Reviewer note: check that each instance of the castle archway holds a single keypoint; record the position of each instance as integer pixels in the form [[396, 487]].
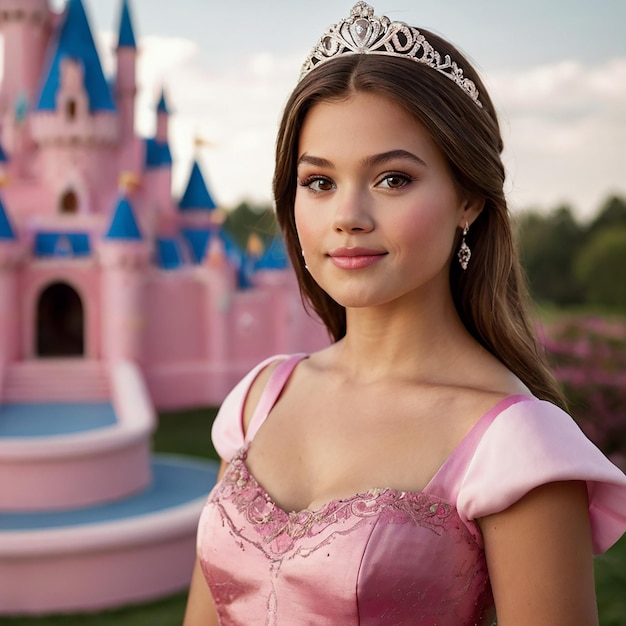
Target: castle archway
[[60, 322]]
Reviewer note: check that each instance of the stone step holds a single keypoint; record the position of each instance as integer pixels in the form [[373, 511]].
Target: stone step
[[56, 379]]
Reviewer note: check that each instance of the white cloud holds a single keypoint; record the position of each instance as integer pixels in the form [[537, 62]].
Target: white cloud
[[235, 109], [565, 132]]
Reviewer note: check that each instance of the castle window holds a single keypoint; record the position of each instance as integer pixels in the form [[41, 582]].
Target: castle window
[[69, 202], [70, 110]]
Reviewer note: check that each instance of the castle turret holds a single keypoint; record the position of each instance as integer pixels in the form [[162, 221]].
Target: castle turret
[[221, 284], [75, 121], [163, 115], [197, 207], [158, 164], [124, 255], [25, 26], [75, 102], [10, 254], [126, 83]]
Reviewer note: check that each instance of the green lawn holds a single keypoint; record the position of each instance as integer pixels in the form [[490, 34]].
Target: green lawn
[[188, 432], [168, 612]]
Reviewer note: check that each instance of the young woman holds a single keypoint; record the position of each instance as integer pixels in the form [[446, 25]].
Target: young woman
[[419, 470]]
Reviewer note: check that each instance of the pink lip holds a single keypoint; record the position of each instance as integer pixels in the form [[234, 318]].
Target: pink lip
[[355, 258]]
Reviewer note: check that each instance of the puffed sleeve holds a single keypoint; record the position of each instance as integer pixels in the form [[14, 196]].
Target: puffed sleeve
[[227, 433], [533, 443]]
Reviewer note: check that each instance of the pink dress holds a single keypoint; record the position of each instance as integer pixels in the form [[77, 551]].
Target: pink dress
[[388, 557]]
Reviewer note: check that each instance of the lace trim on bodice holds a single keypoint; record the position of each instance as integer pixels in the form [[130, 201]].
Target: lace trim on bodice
[[281, 529]]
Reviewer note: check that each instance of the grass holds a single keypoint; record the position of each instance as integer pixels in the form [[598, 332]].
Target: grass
[[610, 570], [188, 432], [167, 612]]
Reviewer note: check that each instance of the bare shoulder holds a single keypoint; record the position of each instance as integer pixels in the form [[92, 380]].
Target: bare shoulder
[[490, 374], [539, 555]]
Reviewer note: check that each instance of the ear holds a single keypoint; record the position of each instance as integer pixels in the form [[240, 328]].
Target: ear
[[471, 208]]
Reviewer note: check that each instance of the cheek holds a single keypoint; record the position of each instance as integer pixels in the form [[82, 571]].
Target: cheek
[[427, 233], [304, 225]]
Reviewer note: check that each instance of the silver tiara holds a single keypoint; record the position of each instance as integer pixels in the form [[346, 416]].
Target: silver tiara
[[364, 33]]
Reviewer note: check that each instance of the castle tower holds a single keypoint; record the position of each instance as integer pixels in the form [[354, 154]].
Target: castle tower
[[159, 169], [126, 83], [163, 115], [124, 256], [10, 254], [221, 285], [25, 25], [75, 120]]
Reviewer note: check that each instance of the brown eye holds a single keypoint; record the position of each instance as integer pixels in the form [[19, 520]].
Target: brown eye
[[323, 185], [318, 184], [394, 181]]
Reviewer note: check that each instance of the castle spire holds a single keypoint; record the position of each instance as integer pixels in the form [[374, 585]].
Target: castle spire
[[196, 194], [162, 114], [162, 105], [75, 41], [126, 36], [123, 225]]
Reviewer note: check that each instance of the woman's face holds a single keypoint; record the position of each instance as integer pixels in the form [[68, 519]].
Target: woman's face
[[376, 208]]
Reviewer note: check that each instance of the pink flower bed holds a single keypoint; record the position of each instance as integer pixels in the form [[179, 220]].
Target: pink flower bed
[[589, 359]]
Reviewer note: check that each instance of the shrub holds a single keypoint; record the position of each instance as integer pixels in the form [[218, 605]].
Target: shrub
[[589, 359]]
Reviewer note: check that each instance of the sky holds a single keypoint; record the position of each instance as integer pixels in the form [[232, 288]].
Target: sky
[[556, 70]]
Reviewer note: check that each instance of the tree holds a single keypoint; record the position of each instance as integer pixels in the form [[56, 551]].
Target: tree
[[601, 268], [612, 214], [246, 220], [548, 247]]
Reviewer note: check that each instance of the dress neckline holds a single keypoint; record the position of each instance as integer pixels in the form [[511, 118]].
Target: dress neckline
[[321, 509], [269, 397]]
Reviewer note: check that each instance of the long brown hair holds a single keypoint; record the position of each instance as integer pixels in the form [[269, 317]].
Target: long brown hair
[[491, 295]]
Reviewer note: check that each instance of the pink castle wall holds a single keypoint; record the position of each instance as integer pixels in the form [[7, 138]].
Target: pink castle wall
[[192, 331]]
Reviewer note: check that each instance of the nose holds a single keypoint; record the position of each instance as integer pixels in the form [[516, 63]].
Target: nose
[[352, 214]]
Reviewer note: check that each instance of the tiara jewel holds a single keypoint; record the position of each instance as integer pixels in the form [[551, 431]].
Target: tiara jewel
[[364, 33]]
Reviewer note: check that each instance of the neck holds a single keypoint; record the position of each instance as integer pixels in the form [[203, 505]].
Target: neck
[[422, 339]]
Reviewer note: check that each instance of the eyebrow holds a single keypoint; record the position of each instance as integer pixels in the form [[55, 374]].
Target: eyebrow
[[392, 155], [376, 159]]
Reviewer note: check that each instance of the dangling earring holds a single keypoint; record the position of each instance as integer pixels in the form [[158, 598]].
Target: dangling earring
[[464, 252]]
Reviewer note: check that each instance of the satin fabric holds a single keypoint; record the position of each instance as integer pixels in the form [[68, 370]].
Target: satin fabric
[[388, 557]]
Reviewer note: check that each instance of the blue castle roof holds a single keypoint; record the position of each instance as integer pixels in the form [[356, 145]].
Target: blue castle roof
[[126, 38], [196, 195], [274, 257], [123, 225], [3, 155], [157, 154], [198, 240], [162, 106], [168, 253], [62, 244], [75, 41], [6, 230]]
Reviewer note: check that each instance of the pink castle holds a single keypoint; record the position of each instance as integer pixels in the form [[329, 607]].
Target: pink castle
[[112, 296]]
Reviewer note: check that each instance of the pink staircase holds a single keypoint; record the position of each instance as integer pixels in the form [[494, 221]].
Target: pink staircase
[[49, 380]]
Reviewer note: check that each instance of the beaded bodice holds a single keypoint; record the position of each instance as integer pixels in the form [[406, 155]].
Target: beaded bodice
[[376, 558]]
